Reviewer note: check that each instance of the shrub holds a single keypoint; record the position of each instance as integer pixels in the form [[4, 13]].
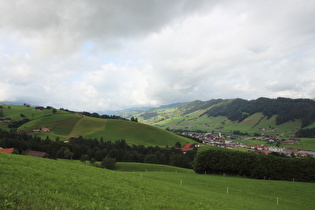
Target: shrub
[[109, 163]]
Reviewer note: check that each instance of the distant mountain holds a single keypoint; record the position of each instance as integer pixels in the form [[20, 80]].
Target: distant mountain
[[11, 103], [275, 115]]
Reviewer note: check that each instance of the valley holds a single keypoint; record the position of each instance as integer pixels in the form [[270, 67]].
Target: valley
[[64, 182]]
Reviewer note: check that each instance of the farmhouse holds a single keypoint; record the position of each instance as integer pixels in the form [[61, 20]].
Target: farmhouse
[[7, 150], [39, 108], [69, 138], [7, 119], [45, 129], [187, 147], [304, 153], [38, 154]]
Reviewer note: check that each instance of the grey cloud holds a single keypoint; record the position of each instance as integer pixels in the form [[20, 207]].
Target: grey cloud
[[71, 22], [103, 54]]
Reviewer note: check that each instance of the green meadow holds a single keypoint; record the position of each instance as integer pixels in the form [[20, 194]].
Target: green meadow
[[63, 124], [176, 118], [35, 183], [147, 167]]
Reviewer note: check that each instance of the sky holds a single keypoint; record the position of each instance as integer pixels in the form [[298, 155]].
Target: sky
[[100, 55]]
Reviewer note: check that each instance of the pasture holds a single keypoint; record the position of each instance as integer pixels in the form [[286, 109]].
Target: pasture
[[63, 124], [35, 183]]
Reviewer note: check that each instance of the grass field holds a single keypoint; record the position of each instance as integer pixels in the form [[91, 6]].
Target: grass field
[[175, 118], [35, 183], [147, 167], [64, 124]]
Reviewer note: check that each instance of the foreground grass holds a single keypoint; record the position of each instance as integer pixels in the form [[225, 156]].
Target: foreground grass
[[147, 167], [35, 183]]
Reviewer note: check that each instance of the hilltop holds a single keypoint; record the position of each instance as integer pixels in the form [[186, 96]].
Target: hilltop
[[62, 124], [281, 116]]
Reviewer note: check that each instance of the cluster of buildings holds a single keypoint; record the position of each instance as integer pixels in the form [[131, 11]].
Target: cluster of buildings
[[226, 141]]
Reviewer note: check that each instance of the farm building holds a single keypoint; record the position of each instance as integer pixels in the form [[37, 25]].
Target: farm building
[[7, 150], [187, 147], [38, 154], [7, 119], [39, 108], [45, 129]]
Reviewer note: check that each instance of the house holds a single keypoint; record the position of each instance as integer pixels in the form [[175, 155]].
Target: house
[[68, 139], [187, 147], [264, 152], [38, 154], [39, 108], [7, 150], [45, 129], [288, 141], [7, 119], [304, 153]]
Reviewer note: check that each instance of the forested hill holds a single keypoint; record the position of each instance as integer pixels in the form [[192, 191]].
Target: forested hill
[[283, 114], [286, 109]]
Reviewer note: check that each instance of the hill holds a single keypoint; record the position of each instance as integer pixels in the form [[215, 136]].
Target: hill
[[263, 115], [62, 124], [36, 183]]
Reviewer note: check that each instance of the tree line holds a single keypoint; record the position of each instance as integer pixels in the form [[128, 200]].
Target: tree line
[[306, 133], [96, 150], [255, 166]]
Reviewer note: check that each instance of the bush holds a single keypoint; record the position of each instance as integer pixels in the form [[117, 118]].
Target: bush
[[84, 158], [109, 163]]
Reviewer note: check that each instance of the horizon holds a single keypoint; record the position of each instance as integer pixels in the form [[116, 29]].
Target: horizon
[[115, 55], [111, 111]]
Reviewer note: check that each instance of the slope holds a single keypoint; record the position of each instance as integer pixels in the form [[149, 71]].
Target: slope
[[268, 116], [35, 183], [63, 124]]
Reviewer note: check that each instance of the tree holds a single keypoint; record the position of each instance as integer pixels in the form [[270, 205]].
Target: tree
[[178, 145], [92, 161], [54, 111], [151, 159], [180, 160], [109, 163], [84, 158], [68, 154]]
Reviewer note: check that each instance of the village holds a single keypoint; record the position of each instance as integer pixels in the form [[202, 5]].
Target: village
[[235, 142]]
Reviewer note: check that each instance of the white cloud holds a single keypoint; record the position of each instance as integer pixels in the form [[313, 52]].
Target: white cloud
[[115, 54]]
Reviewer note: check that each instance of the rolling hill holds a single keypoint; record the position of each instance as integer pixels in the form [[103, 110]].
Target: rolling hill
[[36, 183], [63, 124], [263, 115]]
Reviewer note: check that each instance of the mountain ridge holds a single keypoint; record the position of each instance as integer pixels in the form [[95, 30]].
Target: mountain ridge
[[234, 114]]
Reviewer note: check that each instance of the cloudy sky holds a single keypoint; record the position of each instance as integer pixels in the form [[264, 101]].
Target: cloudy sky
[[114, 54]]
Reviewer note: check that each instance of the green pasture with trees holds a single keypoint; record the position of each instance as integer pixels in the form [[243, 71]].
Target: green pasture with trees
[[37, 183], [63, 124], [255, 166]]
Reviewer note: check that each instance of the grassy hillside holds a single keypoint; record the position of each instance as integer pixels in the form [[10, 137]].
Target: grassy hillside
[[194, 116], [147, 167], [34, 183], [63, 124]]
